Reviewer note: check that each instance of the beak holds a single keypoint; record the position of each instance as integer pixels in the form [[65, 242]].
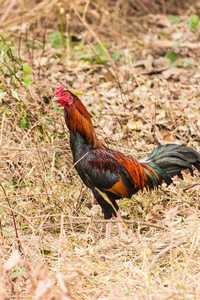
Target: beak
[[55, 99]]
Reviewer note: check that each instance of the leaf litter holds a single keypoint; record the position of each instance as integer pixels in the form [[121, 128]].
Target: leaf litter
[[157, 105]]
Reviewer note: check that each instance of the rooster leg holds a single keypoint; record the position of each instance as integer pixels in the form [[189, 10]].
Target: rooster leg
[[108, 229], [120, 226]]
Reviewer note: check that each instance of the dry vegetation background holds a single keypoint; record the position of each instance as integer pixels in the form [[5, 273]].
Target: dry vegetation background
[[135, 65]]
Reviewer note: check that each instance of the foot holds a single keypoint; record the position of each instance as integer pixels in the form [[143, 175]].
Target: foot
[[122, 233], [120, 226]]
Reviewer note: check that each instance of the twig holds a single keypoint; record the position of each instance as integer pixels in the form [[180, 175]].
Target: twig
[[135, 75], [76, 163], [13, 74], [68, 37], [16, 232], [85, 221], [44, 170], [190, 186], [116, 77], [168, 248], [7, 11], [45, 218], [2, 123], [68, 210], [20, 39], [105, 221], [1, 229], [27, 44], [85, 9], [20, 214], [169, 44], [96, 37]]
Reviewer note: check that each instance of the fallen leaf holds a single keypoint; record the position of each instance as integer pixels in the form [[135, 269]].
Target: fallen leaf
[[135, 125], [13, 260], [169, 136]]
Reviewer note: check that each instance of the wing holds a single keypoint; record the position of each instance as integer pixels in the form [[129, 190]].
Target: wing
[[143, 175], [118, 174], [101, 169]]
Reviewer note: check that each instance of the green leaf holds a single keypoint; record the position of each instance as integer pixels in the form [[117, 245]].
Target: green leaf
[[54, 35], [100, 61], [102, 56], [187, 62], [57, 55], [77, 93], [15, 95], [164, 35], [98, 48], [177, 44], [27, 81], [148, 251], [26, 68], [7, 112], [41, 129], [48, 121], [193, 22], [55, 109], [56, 40], [116, 55], [24, 123], [2, 95], [46, 252], [9, 53], [18, 272], [174, 19], [173, 58]]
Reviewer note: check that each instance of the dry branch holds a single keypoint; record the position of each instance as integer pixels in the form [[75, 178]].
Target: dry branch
[[20, 214], [46, 226]]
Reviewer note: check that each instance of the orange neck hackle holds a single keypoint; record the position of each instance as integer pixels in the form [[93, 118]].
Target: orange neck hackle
[[77, 117]]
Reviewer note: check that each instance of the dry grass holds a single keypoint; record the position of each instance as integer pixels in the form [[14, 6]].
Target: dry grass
[[61, 259]]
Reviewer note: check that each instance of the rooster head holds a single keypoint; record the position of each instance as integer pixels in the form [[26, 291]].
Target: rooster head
[[64, 96]]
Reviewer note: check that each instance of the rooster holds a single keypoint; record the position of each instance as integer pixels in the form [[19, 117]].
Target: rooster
[[110, 174]]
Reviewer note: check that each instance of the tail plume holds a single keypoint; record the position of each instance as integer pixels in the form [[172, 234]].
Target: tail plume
[[169, 160]]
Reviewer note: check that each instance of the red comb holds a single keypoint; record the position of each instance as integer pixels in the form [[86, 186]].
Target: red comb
[[59, 90]]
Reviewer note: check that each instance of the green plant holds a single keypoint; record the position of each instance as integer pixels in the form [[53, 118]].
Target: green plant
[[192, 23], [174, 19]]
